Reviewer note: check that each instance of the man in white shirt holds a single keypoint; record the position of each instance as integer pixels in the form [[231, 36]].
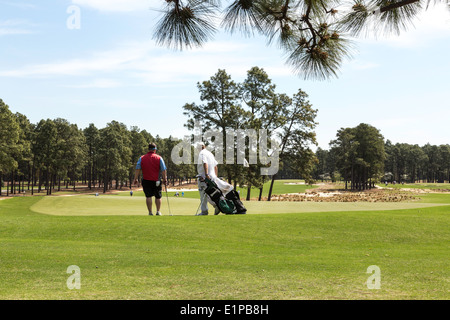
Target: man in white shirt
[[207, 164], [207, 168]]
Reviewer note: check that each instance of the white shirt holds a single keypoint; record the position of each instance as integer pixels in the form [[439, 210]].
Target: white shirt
[[206, 156]]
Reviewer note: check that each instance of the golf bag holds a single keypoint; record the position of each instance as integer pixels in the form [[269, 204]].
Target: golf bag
[[229, 204], [233, 195]]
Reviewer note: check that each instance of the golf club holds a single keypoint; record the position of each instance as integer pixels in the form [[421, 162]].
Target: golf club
[[199, 177], [168, 205], [201, 202]]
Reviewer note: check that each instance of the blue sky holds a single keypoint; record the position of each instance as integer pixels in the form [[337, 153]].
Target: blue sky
[[111, 69]]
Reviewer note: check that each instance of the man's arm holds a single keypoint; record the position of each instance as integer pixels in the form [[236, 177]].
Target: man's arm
[[205, 167], [163, 170], [216, 170], [164, 177], [137, 173]]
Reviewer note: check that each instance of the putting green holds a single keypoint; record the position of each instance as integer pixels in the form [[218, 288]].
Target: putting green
[[89, 205]]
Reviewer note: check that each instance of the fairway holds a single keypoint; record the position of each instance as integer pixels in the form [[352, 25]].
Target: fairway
[[296, 255], [279, 250], [90, 205]]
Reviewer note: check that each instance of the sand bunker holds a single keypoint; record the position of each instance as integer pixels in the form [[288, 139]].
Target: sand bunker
[[374, 195]]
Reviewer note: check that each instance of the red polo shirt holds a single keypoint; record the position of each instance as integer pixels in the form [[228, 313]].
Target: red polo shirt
[[151, 165]]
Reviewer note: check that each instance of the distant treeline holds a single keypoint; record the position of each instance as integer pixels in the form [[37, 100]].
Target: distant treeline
[[55, 154], [361, 154]]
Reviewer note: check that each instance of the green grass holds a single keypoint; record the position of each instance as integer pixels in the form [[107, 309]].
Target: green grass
[[293, 255], [424, 186], [89, 205], [279, 187]]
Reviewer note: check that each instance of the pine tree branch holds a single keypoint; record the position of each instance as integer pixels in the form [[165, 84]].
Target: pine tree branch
[[397, 5]]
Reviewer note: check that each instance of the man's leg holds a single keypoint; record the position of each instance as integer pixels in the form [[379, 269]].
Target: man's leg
[[149, 205], [204, 206], [204, 201], [158, 205]]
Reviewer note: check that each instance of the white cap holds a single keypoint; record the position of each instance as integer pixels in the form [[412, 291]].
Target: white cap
[[200, 144]]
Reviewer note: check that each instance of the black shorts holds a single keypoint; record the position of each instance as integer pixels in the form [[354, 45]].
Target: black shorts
[[151, 190]]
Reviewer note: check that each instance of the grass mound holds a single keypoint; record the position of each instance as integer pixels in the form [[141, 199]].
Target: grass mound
[[109, 205]]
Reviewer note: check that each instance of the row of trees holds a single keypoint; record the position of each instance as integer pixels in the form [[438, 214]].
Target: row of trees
[[55, 153], [411, 163], [361, 157], [255, 104], [359, 154]]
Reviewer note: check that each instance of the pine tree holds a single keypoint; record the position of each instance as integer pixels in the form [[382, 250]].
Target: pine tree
[[313, 34]]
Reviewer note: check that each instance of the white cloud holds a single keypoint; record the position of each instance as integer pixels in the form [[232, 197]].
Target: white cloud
[[172, 67], [430, 24], [118, 5], [20, 5], [363, 65], [9, 31], [97, 83], [12, 22], [75, 67], [106, 62], [141, 63], [15, 26]]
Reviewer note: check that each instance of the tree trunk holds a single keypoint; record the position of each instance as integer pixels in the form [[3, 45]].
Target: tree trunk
[[260, 194], [13, 190], [248, 192], [271, 188], [105, 180], [32, 179], [47, 183], [352, 179], [30, 173]]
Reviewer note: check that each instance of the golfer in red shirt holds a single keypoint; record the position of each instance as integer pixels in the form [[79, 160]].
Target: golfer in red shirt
[[152, 167]]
